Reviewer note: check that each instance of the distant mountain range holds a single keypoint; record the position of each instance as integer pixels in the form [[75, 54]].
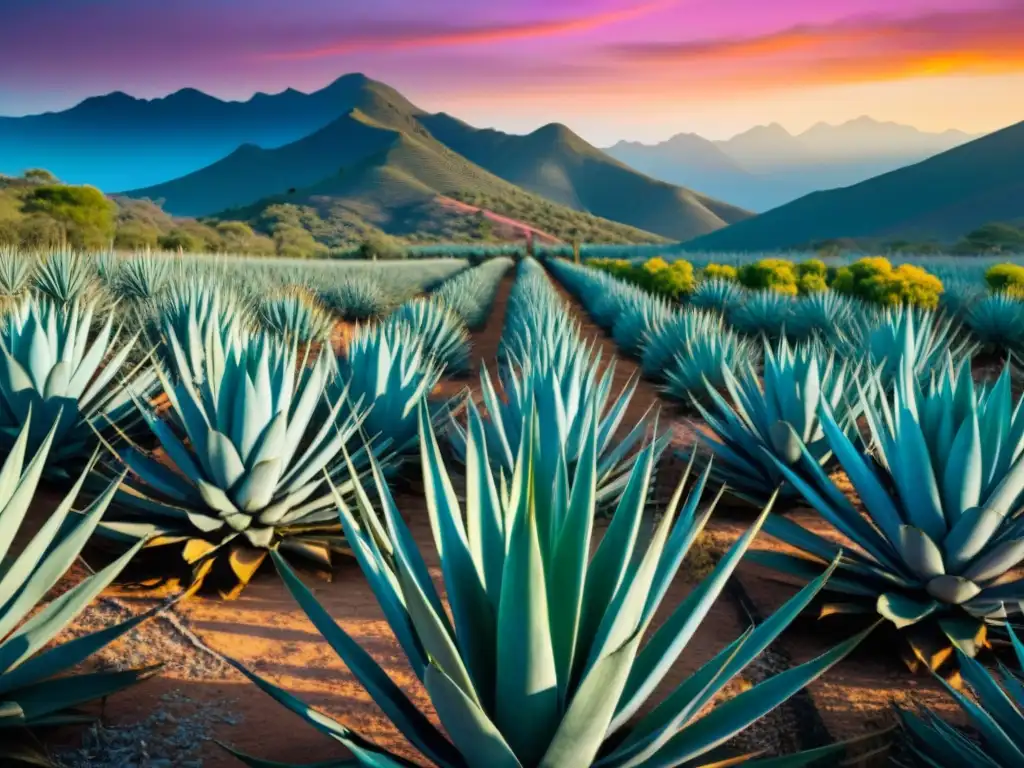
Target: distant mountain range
[[767, 166], [941, 199], [357, 145]]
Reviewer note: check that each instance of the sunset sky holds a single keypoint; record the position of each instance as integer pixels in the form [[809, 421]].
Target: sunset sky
[[610, 69]]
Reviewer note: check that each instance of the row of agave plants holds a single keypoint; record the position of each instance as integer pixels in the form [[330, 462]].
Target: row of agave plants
[[935, 461]]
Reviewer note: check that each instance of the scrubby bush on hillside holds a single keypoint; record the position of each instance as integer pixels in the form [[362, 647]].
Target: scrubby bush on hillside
[[84, 215], [1006, 277], [874, 279]]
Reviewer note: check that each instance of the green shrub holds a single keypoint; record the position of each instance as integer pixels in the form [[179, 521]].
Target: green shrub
[[776, 275], [673, 280], [84, 214], [811, 283], [136, 236], [1006, 277], [180, 239], [812, 267], [720, 272], [874, 279]]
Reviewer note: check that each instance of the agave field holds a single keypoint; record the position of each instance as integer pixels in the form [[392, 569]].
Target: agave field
[[684, 528]]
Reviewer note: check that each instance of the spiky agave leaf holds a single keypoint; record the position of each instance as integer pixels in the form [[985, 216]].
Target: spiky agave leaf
[[54, 364], [294, 314], [37, 686], [995, 712], [828, 316], [941, 480], [250, 461], [65, 276], [542, 662], [762, 421], [442, 332]]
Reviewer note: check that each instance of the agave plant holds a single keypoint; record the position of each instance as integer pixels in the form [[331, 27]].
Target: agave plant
[[830, 316], [386, 369], [567, 399], [663, 341], [996, 711], [542, 661], [15, 269], [442, 332], [765, 314], [997, 321], [35, 684], [718, 295], [905, 334], [356, 297], [53, 365], [293, 314], [702, 363], [142, 277], [765, 423], [250, 464], [941, 479], [638, 314], [190, 312], [65, 276]]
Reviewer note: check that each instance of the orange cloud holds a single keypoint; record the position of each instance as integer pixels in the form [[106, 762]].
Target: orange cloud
[[859, 50], [476, 35]]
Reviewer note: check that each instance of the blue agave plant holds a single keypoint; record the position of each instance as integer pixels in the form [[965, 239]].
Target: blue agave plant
[[443, 334], [702, 362], [542, 662], [941, 479], [773, 419], [251, 464], [718, 295], [997, 321], [54, 365], [764, 314]]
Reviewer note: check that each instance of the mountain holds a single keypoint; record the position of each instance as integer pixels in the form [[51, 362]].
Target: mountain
[[941, 198], [557, 164], [767, 166], [118, 142], [416, 187], [552, 162]]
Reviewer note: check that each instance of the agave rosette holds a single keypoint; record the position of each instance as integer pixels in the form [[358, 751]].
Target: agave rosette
[[65, 276], [637, 315], [355, 297], [997, 321], [470, 293], [663, 341], [245, 465], [542, 662], [941, 480], [765, 314], [37, 683], [701, 361], [901, 335], [386, 369], [829, 316], [15, 270], [142, 277], [717, 295], [295, 314], [191, 311], [773, 418], [443, 334], [53, 364]]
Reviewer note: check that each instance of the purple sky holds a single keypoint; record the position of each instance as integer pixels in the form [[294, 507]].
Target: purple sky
[[609, 68]]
